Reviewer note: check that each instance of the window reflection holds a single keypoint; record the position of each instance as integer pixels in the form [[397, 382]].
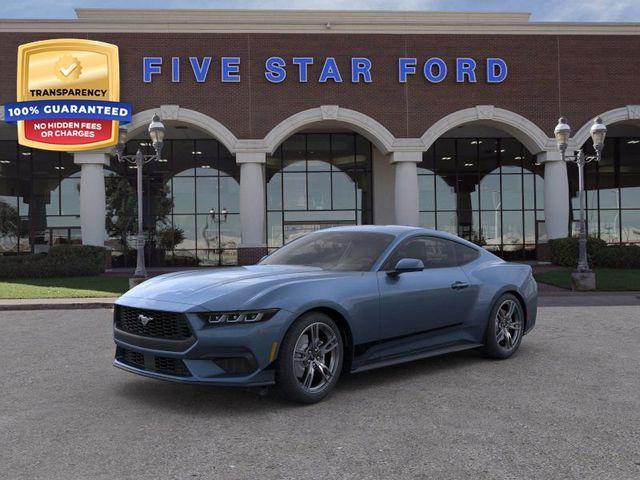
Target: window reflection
[[317, 180], [39, 199], [612, 191], [193, 192], [487, 190]]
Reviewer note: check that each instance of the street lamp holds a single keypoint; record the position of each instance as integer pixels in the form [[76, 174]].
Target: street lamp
[[562, 133], [156, 133]]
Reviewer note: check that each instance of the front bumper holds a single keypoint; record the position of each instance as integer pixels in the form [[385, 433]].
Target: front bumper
[[231, 355]]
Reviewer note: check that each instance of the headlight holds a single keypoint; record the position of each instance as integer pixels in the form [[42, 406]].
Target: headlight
[[243, 316]]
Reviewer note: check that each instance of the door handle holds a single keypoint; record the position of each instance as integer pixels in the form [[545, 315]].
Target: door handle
[[459, 285]]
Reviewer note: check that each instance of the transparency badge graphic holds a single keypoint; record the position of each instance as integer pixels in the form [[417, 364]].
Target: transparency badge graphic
[[68, 95]]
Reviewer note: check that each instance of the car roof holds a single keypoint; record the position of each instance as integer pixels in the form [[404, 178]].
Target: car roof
[[390, 229], [399, 231]]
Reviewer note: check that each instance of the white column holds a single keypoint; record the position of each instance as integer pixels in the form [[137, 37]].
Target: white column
[[252, 199], [93, 208], [406, 187], [556, 195], [383, 187]]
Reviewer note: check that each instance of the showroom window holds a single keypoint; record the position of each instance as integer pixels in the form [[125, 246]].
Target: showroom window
[[191, 204], [486, 190], [39, 199], [612, 190], [317, 180]]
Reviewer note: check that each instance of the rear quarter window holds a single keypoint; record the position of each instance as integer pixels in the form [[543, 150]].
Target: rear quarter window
[[465, 254]]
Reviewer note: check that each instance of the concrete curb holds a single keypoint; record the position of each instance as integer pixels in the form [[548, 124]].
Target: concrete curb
[[56, 304], [566, 298]]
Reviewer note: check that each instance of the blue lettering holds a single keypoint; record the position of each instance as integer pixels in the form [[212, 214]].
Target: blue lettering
[[275, 69], [200, 71], [465, 67], [151, 66], [330, 71], [496, 70], [303, 64], [175, 69], [360, 67], [406, 66], [230, 69], [428, 70]]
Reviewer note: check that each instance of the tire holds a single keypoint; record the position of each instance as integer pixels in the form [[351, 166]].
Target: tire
[[314, 372], [505, 322]]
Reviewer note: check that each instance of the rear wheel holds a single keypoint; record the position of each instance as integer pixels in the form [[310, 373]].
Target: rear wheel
[[505, 328], [310, 358]]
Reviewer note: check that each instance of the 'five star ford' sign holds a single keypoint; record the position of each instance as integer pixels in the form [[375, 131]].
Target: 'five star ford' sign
[[68, 95]]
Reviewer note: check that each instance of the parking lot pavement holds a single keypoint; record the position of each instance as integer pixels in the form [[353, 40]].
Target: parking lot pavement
[[567, 406]]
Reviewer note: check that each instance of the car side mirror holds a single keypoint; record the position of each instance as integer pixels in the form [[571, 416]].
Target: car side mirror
[[405, 265]]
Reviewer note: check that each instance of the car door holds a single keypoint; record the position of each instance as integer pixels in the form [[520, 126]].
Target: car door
[[433, 299]]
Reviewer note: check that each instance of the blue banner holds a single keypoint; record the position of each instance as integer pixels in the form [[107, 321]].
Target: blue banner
[[67, 109]]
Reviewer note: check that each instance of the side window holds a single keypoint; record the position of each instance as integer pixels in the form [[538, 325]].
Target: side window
[[440, 253], [434, 252], [465, 254]]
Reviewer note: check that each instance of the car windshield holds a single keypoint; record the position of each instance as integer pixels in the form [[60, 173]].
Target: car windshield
[[342, 251]]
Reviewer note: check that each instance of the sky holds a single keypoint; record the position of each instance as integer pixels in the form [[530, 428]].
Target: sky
[[542, 10]]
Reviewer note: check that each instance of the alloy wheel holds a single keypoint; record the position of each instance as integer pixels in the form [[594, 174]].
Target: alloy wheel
[[316, 357], [509, 323]]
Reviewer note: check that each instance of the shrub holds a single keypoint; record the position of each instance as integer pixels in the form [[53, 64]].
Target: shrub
[[61, 261], [169, 237], [564, 252], [618, 256]]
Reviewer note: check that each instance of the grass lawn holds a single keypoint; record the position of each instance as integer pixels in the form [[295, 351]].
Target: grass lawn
[[69, 287], [607, 279]]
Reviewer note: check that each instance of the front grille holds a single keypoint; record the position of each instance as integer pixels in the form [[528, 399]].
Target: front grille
[[169, 325], [164, 365]]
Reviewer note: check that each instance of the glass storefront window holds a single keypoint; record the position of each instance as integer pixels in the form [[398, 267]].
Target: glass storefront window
[[612, 191], [39, 195], [317, 180], [194, 189], [487, 190]]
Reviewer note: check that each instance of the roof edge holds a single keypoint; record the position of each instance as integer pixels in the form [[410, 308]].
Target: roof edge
[[265, 16]]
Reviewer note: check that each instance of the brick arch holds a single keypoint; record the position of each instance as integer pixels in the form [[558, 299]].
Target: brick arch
[[622, 114], [374, 131], [141, 120], [527, 132]]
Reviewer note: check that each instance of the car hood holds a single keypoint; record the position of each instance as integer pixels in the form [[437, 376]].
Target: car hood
[[196, 287]]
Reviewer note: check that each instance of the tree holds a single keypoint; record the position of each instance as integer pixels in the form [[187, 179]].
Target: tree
[[9, 221], [122, 208], [169, 237]]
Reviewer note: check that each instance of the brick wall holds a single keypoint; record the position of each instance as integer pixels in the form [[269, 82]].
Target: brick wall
[[578, 76]]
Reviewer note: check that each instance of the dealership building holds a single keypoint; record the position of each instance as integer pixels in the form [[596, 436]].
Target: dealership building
[[279, 123]]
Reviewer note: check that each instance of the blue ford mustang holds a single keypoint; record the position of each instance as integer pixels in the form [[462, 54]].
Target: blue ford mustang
[[340, 299]]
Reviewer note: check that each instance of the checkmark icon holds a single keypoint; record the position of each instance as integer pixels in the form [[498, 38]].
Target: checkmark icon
[[68, 68], [66, 71]]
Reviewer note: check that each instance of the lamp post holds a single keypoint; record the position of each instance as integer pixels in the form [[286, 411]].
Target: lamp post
[[156, 133], [212, 227], [562, 133]]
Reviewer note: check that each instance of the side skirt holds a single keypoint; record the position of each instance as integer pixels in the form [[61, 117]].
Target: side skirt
[[385, 362]]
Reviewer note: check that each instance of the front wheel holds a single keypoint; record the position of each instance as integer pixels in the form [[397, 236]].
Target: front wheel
[[310, 358], [505, 328]]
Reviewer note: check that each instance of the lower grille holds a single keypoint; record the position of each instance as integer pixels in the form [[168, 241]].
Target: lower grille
[[236, 365], [171, 366], [152, 363], [135, 359]]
